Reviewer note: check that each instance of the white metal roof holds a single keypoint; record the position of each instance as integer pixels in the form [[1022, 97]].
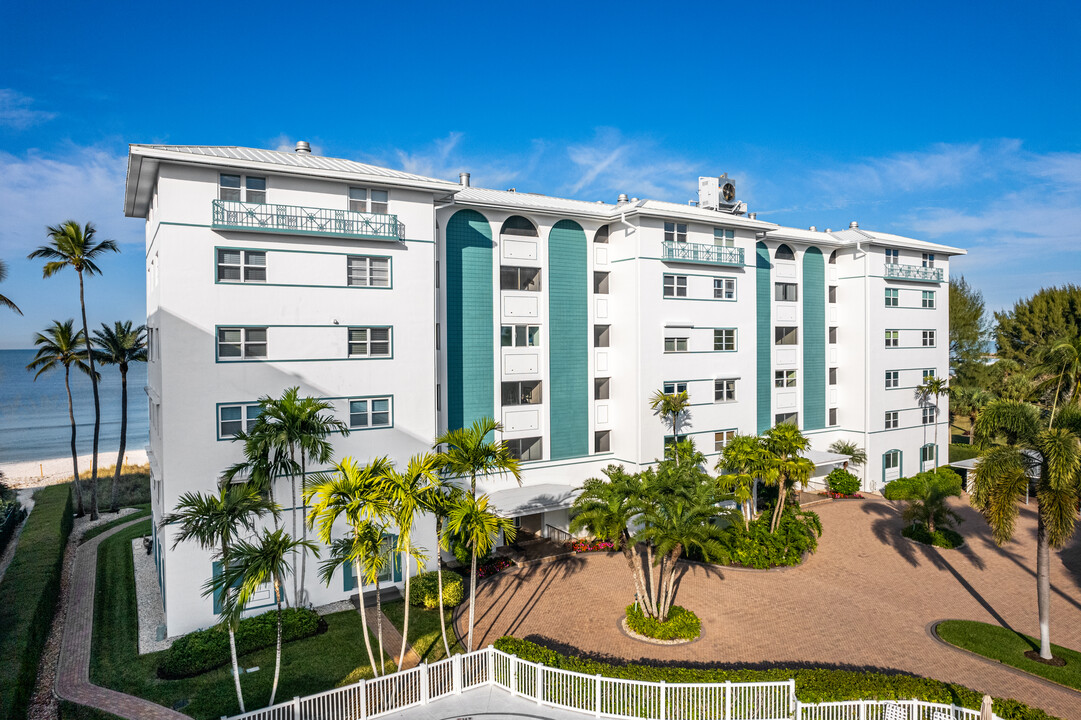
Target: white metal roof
[[531, 499], [851, 236], [533, 201], [820, 458]]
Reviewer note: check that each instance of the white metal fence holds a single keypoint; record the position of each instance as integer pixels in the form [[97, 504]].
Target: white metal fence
[[592, 694]]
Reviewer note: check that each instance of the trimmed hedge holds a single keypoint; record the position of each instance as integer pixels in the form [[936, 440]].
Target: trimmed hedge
[[962, 451], [682, 624], [203, 650], [28, 596], [11, 514], [812, 684], [424, 590]]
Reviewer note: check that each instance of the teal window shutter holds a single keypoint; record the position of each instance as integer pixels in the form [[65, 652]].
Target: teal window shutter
[[397, 559], [349, 577], [217, 592]]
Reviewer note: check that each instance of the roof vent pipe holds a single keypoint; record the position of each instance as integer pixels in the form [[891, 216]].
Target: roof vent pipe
[[753, 216], [622, 198], [813, 229], [303, 148], [853, 225], [829, 230], [463, 179]]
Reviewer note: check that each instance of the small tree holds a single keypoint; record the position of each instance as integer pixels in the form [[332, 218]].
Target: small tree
[[784, 443], [438, 500], [933, 388], [120, 345], [926, 496], [857, 456], [673, 409]]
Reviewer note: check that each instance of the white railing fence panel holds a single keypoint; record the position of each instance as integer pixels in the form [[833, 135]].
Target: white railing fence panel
[[630, 699], [699, 701], [440, 678], [338, 704], [763, 701], [391, 693]]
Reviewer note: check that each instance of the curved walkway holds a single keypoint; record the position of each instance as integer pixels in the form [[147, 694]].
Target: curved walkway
[[865, 600], [73, 674]]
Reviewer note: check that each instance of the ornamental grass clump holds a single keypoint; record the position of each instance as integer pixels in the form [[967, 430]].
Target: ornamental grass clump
[[682, 624]]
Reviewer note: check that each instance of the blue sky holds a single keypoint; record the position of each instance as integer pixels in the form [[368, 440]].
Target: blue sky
[[952, 122]]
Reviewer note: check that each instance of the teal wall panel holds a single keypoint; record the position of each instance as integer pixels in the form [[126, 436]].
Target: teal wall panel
[[470, 320], [568, 341], [764, 340], [814, 340]]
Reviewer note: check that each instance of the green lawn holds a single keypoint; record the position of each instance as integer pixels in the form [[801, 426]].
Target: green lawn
[[1006, 646], [424, 633], [312, 665], [141, 511]]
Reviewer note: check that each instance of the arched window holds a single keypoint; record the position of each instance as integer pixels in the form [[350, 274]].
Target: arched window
[[833, 258], [518, 225], [784, 253], [602, 235]]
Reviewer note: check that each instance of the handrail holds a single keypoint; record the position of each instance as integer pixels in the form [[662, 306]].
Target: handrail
[[560, 536], [702, 253], [913, 272], [297, 219]]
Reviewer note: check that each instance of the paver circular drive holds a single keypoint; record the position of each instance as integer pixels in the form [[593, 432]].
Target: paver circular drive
[[863, 600]]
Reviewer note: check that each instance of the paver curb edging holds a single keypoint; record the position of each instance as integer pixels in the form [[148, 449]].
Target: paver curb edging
[[932, 630]]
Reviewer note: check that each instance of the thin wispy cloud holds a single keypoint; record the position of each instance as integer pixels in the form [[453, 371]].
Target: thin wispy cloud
[[16, 111], [612, 163]]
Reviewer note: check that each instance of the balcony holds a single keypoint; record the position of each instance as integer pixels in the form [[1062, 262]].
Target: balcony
[[296, 220], [912, 272], [701, 253]]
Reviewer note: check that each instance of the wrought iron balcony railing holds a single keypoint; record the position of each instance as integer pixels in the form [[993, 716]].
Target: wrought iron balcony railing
[[701, 253], [913, 272], [297, 220]]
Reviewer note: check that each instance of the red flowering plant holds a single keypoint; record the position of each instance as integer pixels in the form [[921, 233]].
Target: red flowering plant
[[492, 566], [579, 546]]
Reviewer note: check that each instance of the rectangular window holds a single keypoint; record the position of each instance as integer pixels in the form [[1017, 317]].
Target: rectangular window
[[891, 297], [519, 336], [928, 300], [928, 375], [891, 419], [527, 392], [675, 232], [927, 453], [724, 390], [369, 342], [724, 339], [892, 379], [928, 338], [675, 344], [675, 286], [247, 342], [672, 388], [231, 187], [602, 388], [784, 292], [928, 260], [833, 335], [833, 376], [370, 413], [790, 418], [364, 271], [724, 288], [722, 438], [892, 338], [833, 416], [785, 336], [601, 335], [833, 293], [892, 460], [234, 418], [369, 200], [784, 378], [723, 237], [602, 441], [519, 278], [928, 415], [525, 448], [600, 283], [241, 266], [892, 256]]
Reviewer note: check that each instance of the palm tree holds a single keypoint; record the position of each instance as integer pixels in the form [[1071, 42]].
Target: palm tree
[[73, 246], [743, 462], [469, 453], [62, 345], [253, 565], [214, 522], [1048, 457], [784, 443], [968, 401], [933, 387], [1063, 361], [438, 500], [353, 493], [672, 407], [120, 346], [472, 519], [857, 456], [4, 301], [927, 495], [406, 492]]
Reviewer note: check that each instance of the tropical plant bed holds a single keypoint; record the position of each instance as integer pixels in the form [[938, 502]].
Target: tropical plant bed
[[942, 537], [583, 546], [756, 548], [491, 567], [995, 642], [841, 496], [682, 626]]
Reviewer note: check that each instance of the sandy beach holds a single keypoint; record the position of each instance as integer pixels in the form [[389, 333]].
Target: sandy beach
[[36, 473]]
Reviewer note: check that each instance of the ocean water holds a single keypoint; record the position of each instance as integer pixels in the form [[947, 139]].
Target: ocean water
[[34, 422]]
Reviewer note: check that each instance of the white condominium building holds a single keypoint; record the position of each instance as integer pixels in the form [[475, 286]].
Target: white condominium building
[[414, 305]]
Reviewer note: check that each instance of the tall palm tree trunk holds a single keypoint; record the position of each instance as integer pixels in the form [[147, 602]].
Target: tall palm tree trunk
[[405, 619], [232, 634], [651, 608], [123, 436], [364, 617], [293, 513], [439, 580], [97, 409], [278, 647], [782, 492], [472, 597], [303, 530], [1043, 585], [935, 458], [74, 452], [635, 565], [379, 621]]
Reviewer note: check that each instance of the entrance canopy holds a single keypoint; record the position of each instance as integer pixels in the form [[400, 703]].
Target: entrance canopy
[[821, 458], [532, 499]]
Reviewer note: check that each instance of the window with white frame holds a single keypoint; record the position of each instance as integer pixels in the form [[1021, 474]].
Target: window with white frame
[[928, 415], [784, 378], [724, 237], [675, 344], [928, 300], [602, 388], [785, 336], [893, 338], [927, 453], [833, 417], [928, 338], [833, 294], [928, 260], [784, 253], [236, 343], [789, 418], [519, 278], [525, 448], [233, 419], [372, 412], [892, 419], [241, 265], [833, 376], [602, 335], [722, 438], [893, 379], [369, 200], [891, 460], [928, 375], [724, 288], [602, 441], [891, 297], [600, 282], [369, 342], [785, 292], [724, 339], [366, 271], [832, 335], [675, 232], [673, 388], [893, 256], [724, 390], [524, 392], [675, 286], [519, 336], [246, 188]]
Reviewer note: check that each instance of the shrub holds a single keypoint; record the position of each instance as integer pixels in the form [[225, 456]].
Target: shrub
[[463, 554], [943, 537], [756, 547], [682, 624], [491, 567], [926, 497], [812, 684], [29, 593], [962, 451], [204, 650], [580, 546], [424, 590], [842, 482]]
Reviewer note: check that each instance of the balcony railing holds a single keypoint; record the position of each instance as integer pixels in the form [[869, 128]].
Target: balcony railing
[[701, 253], [913, 272], [297, 220]]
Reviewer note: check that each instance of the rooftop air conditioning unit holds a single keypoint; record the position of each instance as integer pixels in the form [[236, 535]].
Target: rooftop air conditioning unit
[[719, 193]]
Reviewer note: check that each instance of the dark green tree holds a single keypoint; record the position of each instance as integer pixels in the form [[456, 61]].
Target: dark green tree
[[1050, 316], [969, 331]]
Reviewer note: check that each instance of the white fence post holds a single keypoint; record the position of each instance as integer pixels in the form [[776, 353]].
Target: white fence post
[[727, 700], [863, 710], [598, 695], [794, 704], [362, 686], [491, 665], [296, 707], [425, 691], [799, 709], [456, 674], [540, 684], [661, 708], [514, 676]]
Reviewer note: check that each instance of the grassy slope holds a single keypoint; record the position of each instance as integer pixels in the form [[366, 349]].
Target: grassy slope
[[424, 634], [1008, 647], [309, 666]]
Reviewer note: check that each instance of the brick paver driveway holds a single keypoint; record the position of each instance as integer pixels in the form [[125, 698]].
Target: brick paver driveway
[[865, 599]]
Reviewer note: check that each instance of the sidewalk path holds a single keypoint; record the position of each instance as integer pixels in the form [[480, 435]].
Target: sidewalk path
[[392, 639]]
